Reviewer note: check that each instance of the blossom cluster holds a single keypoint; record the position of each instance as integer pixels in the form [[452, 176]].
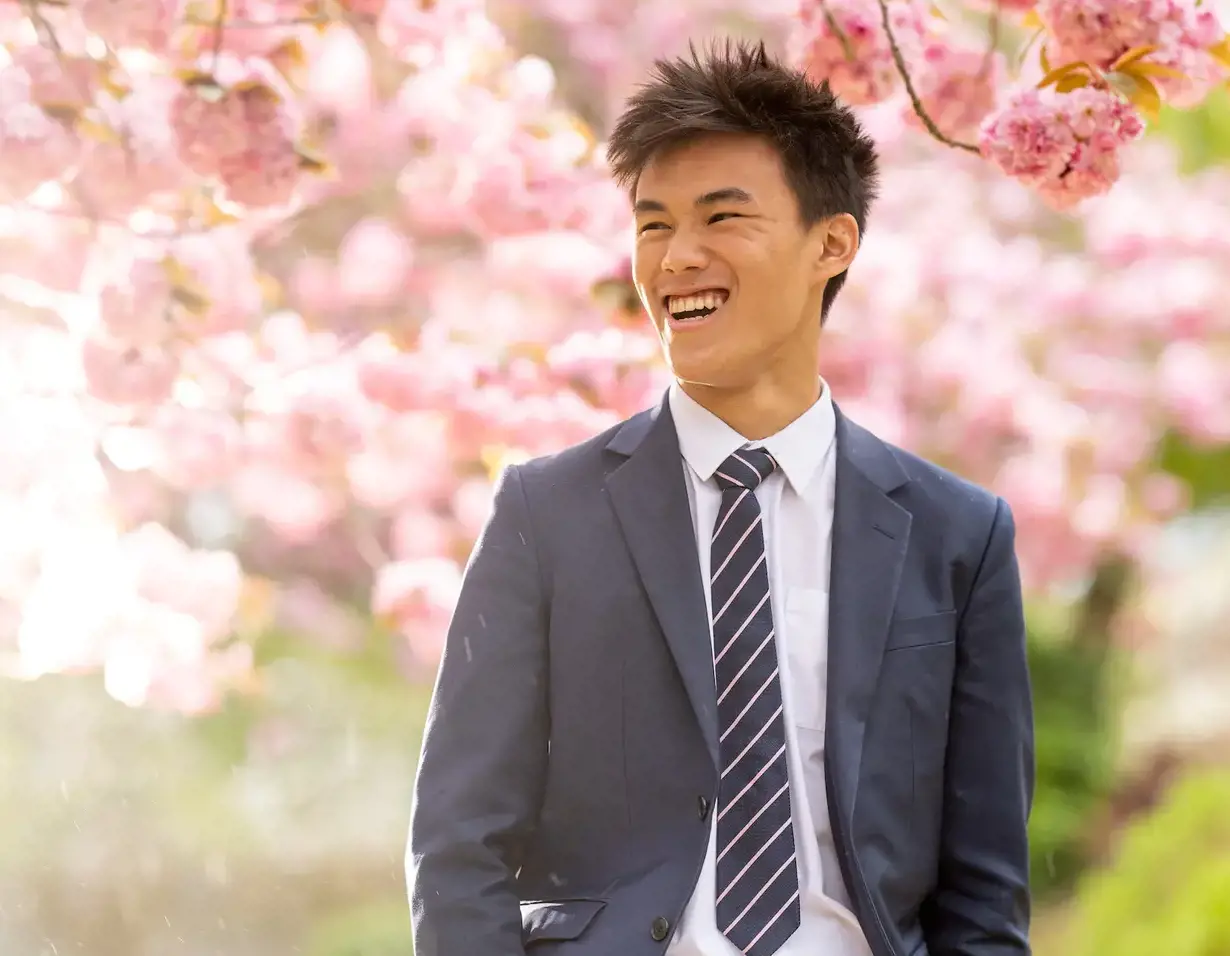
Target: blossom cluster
[[1105, 65], [281, 294]]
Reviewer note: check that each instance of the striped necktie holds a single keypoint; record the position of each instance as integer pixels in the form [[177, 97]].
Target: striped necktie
[[757, 875]]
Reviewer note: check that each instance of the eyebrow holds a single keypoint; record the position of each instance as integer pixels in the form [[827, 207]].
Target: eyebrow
[[725, 194]]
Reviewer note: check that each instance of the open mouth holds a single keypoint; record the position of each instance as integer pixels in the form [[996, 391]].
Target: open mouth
[[690, 308]]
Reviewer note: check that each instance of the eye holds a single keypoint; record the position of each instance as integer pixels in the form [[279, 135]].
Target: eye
[[719, 216], [650, 225]]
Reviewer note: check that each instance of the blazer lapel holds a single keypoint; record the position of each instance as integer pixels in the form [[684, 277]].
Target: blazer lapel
[[871, 533], [650, 498]]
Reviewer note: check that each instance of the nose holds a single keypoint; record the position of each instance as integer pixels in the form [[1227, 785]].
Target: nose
[[684, 252]]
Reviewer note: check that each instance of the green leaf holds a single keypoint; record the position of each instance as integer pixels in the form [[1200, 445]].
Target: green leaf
[[1205, 470], [1167, 890]]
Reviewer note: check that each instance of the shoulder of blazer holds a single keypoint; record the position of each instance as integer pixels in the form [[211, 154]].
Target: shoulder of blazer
[[590, 460], [891, 467]]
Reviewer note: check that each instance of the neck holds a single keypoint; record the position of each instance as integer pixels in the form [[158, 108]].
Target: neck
[[758, 410]]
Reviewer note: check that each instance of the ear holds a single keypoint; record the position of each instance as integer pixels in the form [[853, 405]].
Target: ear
[[836, 242]]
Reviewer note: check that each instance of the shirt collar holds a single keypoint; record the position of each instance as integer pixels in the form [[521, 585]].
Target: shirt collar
[[706, 441]]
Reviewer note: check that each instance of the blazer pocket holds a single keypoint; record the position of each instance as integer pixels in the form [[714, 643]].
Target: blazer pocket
[[928, 631], [557, 919]]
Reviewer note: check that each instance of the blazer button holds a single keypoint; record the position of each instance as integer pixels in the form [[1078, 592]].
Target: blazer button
[[659, 928], [702, 807]]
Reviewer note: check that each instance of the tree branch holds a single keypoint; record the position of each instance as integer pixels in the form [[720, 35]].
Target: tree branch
[[219, 29], [242, 23], [993, 30], [1096, 615], [919, 110], [846, 46]]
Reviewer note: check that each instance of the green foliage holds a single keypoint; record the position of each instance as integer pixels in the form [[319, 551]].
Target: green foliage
[[1075, 751], [1202, 134], [1169, 889], [374, 929], [250, 830], [1206, 471]]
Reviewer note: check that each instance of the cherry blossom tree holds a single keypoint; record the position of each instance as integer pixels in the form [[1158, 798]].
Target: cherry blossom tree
[[284, 284]]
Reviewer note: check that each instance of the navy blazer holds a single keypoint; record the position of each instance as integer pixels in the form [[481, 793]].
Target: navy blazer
[[570, 760]]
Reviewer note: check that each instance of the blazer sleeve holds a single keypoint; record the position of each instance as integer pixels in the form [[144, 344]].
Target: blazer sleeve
[[981, 904], [480, 776]]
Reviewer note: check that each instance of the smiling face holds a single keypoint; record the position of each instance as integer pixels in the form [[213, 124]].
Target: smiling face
[[729, 274]]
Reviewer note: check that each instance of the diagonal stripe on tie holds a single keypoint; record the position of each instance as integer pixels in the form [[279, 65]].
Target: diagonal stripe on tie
[[757, 871]]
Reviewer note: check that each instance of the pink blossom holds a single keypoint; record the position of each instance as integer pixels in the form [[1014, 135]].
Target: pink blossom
[[843, 42], [1064, 144], [420, 533], [472, 506], [1164, 495], [266, 25], [418, 31], [1196, 389], [556, 263], [333, 392], [221, 267], [137, 159], [393, 380], [340, 75], [124, 375], [131, 23], [956, 85], [402, 381], [139, 313], [405, 459], [238, 122], [204, 585], [365, 8], [297, 507], [1101, 31], [157, 660], [57, 79], [208, 125], [372, 262], [33, 147], [304, 607], [197, 448], [417, 597], [314, 288], [313, 429], [265, 175]]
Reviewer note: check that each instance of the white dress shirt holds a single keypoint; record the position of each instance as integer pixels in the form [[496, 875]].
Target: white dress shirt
[[797, 506]]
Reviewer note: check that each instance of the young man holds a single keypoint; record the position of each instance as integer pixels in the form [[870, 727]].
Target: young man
[[735, 676]]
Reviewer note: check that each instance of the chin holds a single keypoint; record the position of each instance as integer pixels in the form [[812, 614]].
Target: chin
[[709, 372]]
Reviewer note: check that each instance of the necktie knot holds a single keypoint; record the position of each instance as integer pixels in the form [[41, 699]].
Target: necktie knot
[[746, 468]]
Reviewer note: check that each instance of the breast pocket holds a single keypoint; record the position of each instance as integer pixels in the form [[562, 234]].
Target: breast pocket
[[930, 630], [807, 655]]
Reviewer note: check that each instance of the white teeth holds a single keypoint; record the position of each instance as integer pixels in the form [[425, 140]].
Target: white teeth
[[690, 303]]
